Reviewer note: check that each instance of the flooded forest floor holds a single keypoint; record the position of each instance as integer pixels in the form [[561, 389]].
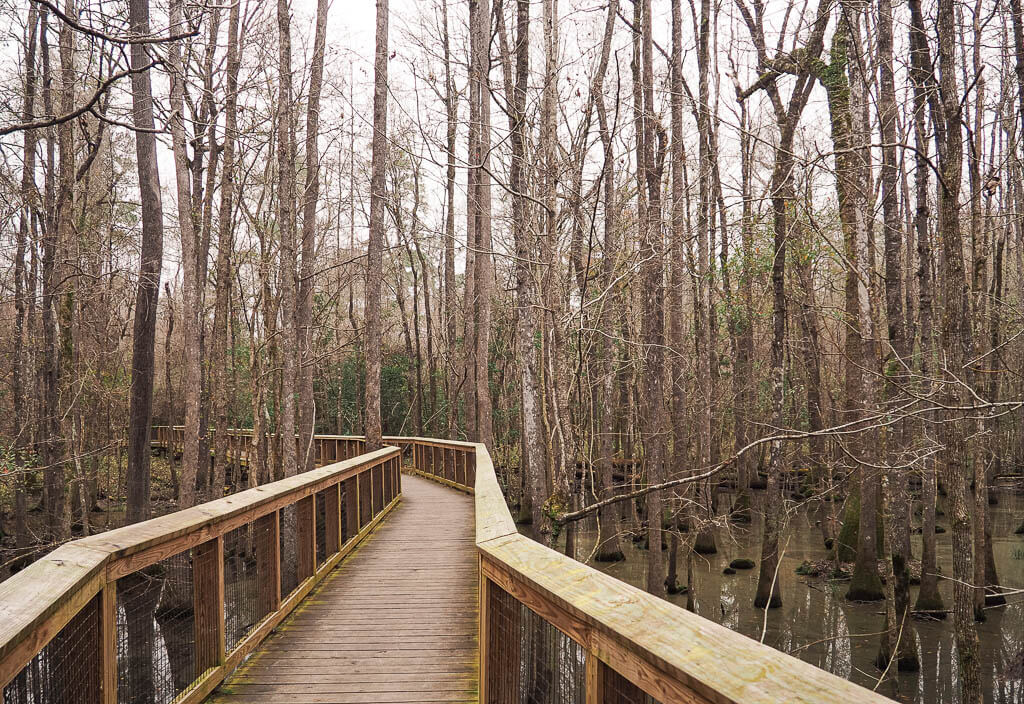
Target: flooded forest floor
[[817, 624]]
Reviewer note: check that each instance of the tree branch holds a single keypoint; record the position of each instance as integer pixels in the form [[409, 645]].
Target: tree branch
[[82, 109]]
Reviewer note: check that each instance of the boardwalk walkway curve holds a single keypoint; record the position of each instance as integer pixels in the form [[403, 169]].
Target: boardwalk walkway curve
[[396, 621], [350, 583]]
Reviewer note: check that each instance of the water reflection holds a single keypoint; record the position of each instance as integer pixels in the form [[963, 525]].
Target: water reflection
[[819, 626]]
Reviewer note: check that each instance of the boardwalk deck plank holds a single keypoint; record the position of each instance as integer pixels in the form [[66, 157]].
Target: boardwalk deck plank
[[395, 622]]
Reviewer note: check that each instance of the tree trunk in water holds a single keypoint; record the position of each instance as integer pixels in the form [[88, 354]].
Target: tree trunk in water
[[956, 346], [610, 549], [928, 596], [787, 117], [652, 274], [704, 541], [844, 96], [533, 466], [897, 527]]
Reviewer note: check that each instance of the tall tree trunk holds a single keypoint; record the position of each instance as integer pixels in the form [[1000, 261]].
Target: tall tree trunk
[[451, 115], [480, 62], [20, 431], [844, 86], [704, 339], [223, 357], [928, 596], [375, 248], [304, 316], [148, 290], [288, 255], [956, 347], [532, 464], [191, 284], [787, 118], [650, 157], [610, 548], [897, 519]]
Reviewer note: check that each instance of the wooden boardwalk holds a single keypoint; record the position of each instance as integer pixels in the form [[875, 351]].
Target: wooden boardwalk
[[395, 622]]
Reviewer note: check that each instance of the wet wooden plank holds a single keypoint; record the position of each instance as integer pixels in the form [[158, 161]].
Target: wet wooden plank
[[395, 622]]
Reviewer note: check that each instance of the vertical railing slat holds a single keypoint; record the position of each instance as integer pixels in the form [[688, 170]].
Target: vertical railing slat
[[594, 680], [108, 644]]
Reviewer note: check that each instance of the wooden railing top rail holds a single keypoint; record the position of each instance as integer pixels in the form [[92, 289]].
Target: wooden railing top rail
[[219, 516]]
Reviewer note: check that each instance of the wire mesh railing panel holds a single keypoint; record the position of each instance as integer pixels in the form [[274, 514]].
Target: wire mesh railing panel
[[365, 511], [554, 665], [156, 644], [67, 669], [529, 660], [389, 475], [377, 477], [343, 512], [504, 630], [320, 528], [618, 690], [289, 551], [244, 573]]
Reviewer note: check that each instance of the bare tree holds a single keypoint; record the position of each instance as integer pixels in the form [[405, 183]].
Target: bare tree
[[375, 248], [148, 290]]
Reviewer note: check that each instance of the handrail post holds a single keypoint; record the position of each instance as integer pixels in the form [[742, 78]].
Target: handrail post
[[484, 636], [108, 644], [594, 680], [208, 602]]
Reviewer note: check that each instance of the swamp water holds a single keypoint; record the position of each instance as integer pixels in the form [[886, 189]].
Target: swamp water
[[818, 625]]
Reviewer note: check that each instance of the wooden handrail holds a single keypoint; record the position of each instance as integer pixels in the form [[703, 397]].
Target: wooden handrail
[[59, 617]]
